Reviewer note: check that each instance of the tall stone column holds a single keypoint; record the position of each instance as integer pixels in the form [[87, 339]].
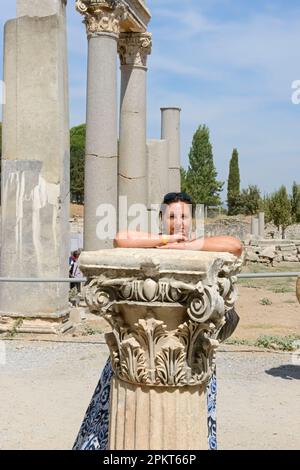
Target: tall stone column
[[254, 226], [133, 50], [261, 224], [40, 8], [157, 179], [170, 131], [35, 168], [167, 310], [158, 170], [102, 21]]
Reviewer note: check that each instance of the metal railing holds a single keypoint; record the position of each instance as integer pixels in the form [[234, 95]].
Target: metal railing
[[266, 275], [69, 280], [84, 279]]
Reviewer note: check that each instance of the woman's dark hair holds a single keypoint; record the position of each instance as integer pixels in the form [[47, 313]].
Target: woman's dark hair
[[176, 197], [170, 198]]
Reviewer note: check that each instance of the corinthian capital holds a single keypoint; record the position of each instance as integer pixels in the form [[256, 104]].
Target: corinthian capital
[[102, 15], [165, 325], [134, 48]]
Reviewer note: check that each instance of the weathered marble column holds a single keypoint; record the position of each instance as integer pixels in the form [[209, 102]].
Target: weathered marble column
[[35, 168], [166, 310], [158, 170], [254, 226], [102, 21], [40, 8], [170, 131], [134, 49], [261, 224]]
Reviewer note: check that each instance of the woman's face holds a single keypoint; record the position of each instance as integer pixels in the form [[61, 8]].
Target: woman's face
[[178, 218]]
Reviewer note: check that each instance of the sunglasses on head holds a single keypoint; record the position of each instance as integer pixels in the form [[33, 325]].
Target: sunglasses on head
[[170, 197]]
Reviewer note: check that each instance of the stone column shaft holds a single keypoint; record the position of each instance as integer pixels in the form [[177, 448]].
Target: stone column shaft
[[158, 170], [35, 166], [254, 226], [40, 7], [170, 131], [101, 163], [133, 50], [261, 224], [157, 419]]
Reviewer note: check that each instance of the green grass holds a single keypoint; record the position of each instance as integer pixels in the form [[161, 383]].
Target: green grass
[[265, 301], [283, 290], [237, 342], [279, 343], [282, 343]]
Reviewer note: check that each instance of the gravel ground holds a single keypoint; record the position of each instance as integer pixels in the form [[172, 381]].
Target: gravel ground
[[46, 387]]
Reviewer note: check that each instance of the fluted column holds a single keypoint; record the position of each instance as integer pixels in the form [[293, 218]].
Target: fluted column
[[102, 21], [167, 310], [133, 50], [170, 131]]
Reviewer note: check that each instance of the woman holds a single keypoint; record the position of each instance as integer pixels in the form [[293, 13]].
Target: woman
[[176, 217]]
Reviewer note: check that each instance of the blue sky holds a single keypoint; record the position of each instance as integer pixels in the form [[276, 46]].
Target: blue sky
[[227, 63]]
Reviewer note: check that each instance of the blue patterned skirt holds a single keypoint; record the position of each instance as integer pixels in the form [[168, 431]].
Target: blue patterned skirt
[[93, 433]]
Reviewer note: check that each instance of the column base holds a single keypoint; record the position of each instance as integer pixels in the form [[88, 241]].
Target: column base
[[157, 418], [36, 325]]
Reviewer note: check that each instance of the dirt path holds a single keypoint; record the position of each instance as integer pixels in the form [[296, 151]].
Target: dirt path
[[46, 387], [281, 317]]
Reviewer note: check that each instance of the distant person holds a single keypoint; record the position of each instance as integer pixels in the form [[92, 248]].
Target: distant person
[[74, 271]]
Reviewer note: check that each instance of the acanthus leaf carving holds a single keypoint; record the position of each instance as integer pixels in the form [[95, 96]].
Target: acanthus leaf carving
[[148, 351], [170, 364], [149, 354], [134, 48], [102, 16]]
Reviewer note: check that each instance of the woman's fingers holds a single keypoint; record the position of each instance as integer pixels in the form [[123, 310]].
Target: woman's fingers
[[178, 238], [173, 246]]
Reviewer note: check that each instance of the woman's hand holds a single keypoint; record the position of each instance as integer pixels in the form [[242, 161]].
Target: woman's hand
[[214, 244], [172, 241], [175, 246], [177, 238]]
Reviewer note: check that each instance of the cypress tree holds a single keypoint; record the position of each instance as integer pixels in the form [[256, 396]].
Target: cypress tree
[[295, 202], [202, 175], [233, 189]]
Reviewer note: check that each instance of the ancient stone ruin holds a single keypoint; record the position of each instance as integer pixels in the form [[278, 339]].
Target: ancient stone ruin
[[166, 309]]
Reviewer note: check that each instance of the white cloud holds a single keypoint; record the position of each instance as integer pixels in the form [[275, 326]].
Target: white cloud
[[236, 76], [232, 71]]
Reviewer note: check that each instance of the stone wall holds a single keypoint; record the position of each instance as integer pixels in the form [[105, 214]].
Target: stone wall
[[292, 232], [239, 227], [272, 251]]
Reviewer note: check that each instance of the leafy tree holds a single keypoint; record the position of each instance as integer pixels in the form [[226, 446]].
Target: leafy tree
[[233, 188], [249, 201], [265, 207], [183, 177], [280, 209], [77, 150], [295, 202], [201, 176]]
